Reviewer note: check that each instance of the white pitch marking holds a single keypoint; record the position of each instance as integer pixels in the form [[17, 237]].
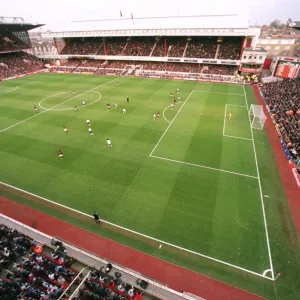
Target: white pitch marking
[[15, 88], [164, 114], [204, 167], [40, 103], [171, 123], [224, 124], [237, 137], [11, 90], [143, 235], [56, 105], [260, 189], [236, 105], [219, 93]]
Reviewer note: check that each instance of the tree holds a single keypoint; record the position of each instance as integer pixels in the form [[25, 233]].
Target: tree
[[276, 23]]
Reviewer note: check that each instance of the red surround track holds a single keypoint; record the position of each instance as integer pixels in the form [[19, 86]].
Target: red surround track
[[174, 276], [291, 189]]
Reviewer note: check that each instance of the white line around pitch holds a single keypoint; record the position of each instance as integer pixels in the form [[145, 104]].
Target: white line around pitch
[[237, 137], [164, 114], [171, 122], [224, 124], [38, 114], [260, 190], [232, 94], [201, 166], [140, 234], [236, 105]]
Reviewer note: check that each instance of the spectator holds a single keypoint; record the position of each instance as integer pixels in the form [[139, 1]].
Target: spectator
[[283, 101]]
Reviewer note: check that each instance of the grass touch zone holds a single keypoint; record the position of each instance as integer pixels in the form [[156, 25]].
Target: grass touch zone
[[193, 179]]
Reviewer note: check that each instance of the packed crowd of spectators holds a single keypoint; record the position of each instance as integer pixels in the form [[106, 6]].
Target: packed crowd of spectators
[[102, 67], [83, 46], [283, 101], [139, 46], [176, 46], [230, 48], [37, 277], [202, 47], [18, 63], [196, 47], [103, 285], [115, 45], [9, 42]]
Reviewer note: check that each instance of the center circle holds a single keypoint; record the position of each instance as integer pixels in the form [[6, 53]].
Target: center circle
[[62, 93]]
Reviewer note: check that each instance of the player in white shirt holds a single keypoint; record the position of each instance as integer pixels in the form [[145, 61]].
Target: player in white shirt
[[88, 122], [154, 117], [83, 103], [172, 106], [116, 106], [90, 131], [109, 144], [124, 111], [177, 90], [179, 99], [65, 129]]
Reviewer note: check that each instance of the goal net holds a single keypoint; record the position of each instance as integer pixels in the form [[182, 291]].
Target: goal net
[[257, 116]]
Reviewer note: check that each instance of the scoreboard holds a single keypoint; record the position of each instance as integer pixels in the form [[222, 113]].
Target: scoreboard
[[286, 67]]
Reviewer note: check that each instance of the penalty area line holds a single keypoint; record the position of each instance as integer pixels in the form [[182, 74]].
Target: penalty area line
[[204, 167], [140, 234]]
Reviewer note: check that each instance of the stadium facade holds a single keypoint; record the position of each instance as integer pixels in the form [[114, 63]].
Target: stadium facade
[[220, 28]]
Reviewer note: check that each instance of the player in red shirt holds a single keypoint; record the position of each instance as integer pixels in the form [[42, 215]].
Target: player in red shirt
[[158, 115], [35, 109], [174, 101], [108, 106]]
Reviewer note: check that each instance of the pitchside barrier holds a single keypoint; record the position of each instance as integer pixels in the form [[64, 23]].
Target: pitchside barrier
[[129, 276], [284, 146]]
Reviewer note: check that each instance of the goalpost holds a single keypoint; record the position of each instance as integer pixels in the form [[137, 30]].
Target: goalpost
[[258, 117]]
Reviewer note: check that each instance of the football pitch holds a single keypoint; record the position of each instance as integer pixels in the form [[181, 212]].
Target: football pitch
[[192, 179]]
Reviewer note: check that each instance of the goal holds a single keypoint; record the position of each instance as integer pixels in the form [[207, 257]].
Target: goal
[[257, 116]]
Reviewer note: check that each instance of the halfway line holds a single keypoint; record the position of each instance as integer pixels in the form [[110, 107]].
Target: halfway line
[[56, 105]]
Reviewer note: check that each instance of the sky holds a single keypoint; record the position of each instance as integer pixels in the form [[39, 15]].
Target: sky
[[259, 12]]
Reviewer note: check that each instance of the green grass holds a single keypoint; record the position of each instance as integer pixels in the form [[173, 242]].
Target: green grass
[[173, 197]]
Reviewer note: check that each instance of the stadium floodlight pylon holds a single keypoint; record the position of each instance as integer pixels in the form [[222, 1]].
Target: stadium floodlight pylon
[[258, 117]]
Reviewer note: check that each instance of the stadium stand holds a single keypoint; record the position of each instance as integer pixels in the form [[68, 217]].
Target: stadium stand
[[196, 47], [18, 63], [34, 265], [83, 46], [153, 66], [283, 101], [230, 48], [139, 46], [204, 47], [9, 42]]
